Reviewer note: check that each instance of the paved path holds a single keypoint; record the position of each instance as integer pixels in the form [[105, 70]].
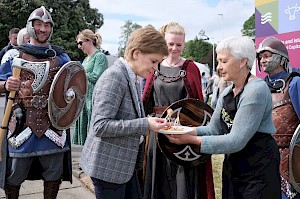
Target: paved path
[[81, 188]]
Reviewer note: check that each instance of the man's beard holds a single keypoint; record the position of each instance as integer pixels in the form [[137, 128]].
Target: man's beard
[[42, 41], [39, 40], [273, 64]]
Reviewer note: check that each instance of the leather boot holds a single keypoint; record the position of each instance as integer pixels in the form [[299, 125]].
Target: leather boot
[[11, 191], [51, 189]]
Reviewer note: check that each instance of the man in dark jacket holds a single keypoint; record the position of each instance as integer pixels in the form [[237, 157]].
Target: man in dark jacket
[[12, 36]]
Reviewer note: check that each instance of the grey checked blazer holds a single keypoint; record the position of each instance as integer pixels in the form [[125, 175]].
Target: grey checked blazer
[[111, 148]]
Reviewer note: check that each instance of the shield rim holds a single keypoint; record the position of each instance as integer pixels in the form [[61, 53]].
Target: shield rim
[[57, 75], [293, 143]]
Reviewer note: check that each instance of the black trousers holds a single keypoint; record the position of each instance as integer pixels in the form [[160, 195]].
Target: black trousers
[[254, 171]]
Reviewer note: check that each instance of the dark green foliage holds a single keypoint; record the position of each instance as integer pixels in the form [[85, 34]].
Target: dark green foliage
[[69, 16], [198, 50]]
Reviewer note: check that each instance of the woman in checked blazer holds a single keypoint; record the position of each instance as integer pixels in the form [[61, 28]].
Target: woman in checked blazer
[[118, 123]]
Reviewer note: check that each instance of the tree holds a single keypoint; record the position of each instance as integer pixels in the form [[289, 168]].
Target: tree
[[69, 16], [126, 30], [249, 27], [198, 50]]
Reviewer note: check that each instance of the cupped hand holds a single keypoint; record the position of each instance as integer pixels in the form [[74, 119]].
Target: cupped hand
[[187, 138]]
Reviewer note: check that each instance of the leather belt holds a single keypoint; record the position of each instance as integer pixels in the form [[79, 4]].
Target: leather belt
[[37, 101]]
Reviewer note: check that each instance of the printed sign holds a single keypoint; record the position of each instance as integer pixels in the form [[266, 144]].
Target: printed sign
[[281, 19]]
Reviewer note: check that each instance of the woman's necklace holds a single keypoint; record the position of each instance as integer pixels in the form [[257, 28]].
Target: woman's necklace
[[171, 65]]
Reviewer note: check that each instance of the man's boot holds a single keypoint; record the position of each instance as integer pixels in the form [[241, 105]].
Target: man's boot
[[11, 191], [51, 189]]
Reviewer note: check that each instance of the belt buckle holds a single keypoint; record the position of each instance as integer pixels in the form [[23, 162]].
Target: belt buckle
[[39, 102]]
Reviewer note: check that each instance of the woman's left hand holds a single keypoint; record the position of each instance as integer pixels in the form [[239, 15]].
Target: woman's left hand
[[188, 138]]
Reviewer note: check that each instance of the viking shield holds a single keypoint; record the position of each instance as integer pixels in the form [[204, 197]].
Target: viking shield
[[294, 160], [67, 95], [191, 112]]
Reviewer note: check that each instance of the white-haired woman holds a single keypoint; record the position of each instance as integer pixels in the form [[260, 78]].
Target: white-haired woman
[[241, 127]]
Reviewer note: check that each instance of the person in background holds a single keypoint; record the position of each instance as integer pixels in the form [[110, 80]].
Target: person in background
[[209, 88], [94, 64], [12, 36], [204, 81], [34, 149], [241, 127], [113, 152], [218, 86], [273, 59], [22, 38], [110, 58], [175, 79]]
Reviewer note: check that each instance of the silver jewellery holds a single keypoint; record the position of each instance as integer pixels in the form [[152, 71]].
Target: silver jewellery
[[173, 64], [169, 79]]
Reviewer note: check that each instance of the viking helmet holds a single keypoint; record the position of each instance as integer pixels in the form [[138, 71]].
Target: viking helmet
[[39, 14], [280, 56]]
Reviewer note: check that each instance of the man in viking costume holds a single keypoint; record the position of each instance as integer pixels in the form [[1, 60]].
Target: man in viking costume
[[273, 59], [35, 147]]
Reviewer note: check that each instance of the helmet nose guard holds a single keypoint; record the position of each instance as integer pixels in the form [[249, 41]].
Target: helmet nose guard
[[39, 14]]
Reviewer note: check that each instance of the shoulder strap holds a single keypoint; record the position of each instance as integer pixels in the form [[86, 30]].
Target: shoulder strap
[[295, 74], [185, 80]]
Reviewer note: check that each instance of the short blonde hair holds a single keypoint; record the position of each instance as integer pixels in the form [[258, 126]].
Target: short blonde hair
[[148, 41], [173, 28], [88, 34]]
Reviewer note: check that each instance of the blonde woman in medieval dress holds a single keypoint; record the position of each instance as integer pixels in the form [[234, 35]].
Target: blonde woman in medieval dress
[[165, 179], [94, 64]]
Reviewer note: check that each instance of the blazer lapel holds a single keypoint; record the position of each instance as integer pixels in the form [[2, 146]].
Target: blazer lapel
[[132, 91]]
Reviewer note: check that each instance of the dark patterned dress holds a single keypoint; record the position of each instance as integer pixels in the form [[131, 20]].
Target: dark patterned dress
[[165, 179]]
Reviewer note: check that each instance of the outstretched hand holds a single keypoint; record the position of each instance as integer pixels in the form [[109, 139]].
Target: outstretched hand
[[188, 138]]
